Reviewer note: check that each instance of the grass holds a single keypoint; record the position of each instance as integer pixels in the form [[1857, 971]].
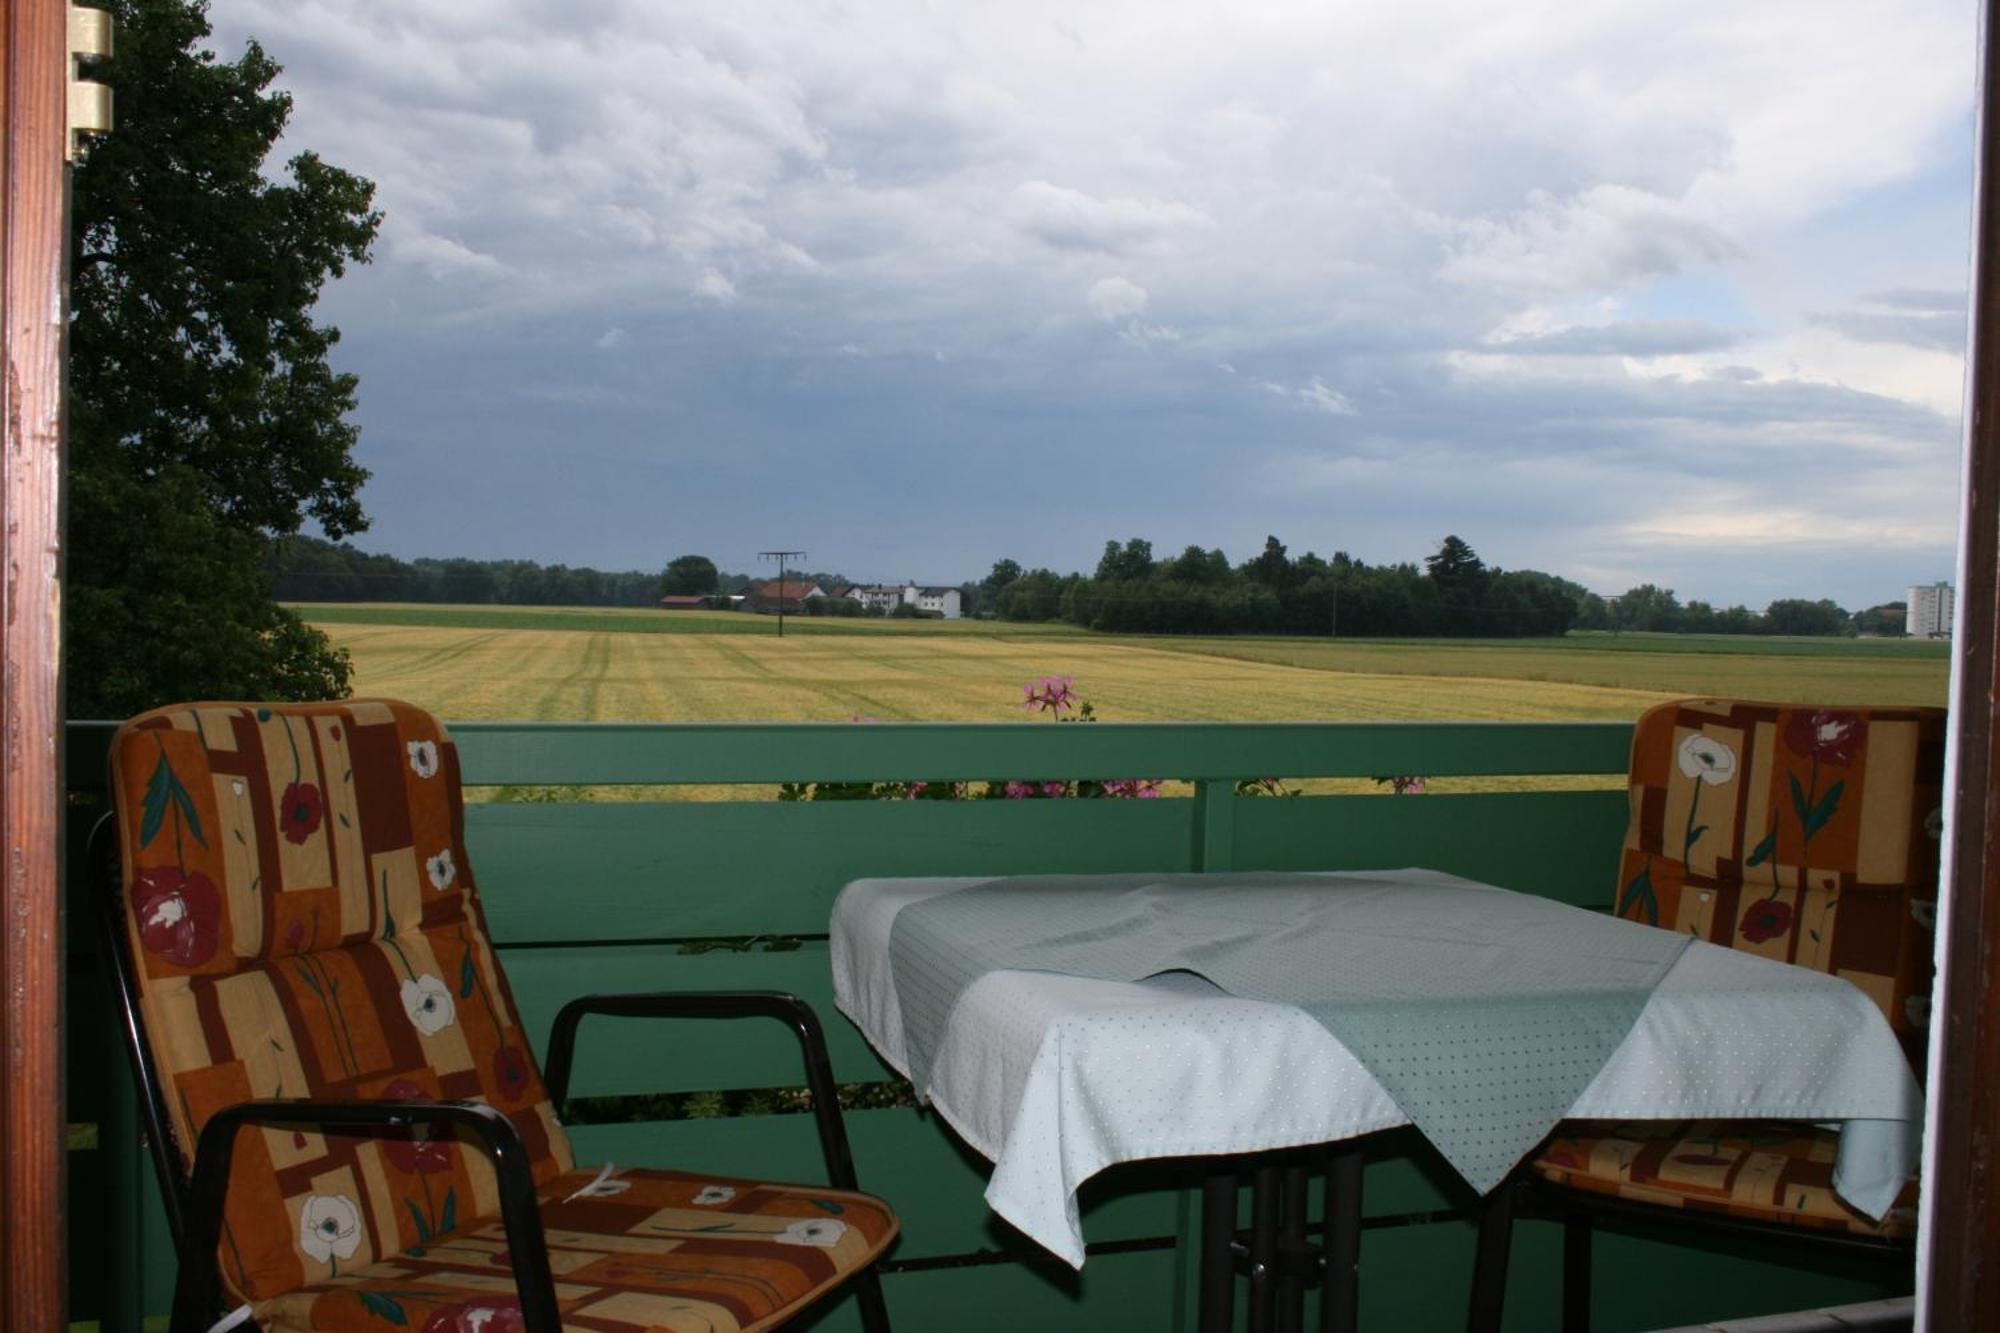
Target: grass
[[642, 665]]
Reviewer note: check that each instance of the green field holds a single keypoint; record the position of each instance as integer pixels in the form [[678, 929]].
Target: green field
[[474, 662]]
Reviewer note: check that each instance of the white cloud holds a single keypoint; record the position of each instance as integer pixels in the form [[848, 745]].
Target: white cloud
[[610, 338], [1115, 298], [713, 286], [1486, 235]]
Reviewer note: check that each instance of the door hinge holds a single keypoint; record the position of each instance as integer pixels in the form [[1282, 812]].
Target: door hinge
[[89, 100]]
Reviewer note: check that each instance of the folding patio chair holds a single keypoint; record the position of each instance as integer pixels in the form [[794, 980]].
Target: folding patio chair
[[349, 1125], [1804, 834]]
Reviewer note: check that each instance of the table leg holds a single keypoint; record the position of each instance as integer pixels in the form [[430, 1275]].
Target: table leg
[[1264, 1251], [1218, 1254], [1340, 1285], [1292, 1286]]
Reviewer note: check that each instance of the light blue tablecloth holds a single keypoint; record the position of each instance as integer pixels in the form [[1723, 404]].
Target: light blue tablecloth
[[1484, 1013]]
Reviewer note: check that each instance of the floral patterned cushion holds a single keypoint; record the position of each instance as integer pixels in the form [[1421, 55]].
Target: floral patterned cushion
[[643, 1250], [1769, 1170], [303, 923], [1803, 834]]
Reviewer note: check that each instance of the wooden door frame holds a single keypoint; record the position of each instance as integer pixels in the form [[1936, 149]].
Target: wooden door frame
[[34, 53], [1959, 1273]]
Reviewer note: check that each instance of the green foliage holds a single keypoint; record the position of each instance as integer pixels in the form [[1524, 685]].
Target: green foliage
[[689, 576], [204, 416]]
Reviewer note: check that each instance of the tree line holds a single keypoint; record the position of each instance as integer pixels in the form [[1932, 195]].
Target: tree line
[[1453, 593]]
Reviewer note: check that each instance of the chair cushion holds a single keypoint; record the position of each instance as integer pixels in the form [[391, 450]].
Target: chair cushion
[[1769, 1170], [1807, 835], [302, 922], [646, 1250]]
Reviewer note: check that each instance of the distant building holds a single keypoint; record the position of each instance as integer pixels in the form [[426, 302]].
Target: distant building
[[1930, 612], [684, 602], [774, 595], [943, 602]]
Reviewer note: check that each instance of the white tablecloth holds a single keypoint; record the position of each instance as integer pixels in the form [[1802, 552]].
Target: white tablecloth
[[1055, 1078]]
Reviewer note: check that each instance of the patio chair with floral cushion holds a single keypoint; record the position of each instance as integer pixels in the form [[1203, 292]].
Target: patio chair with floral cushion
[[1808, 835], [349, 1125]]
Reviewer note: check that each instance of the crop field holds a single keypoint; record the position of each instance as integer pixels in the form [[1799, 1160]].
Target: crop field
[[616, 665]]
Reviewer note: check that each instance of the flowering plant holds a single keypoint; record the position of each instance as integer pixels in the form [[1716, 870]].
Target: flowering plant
[[1054, 695]]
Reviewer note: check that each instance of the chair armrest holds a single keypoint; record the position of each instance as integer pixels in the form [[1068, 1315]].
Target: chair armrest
[[786, 1008], [195, 1293]]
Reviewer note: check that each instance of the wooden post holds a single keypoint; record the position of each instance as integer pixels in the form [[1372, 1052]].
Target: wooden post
[[34, 53], [1961, 1231]]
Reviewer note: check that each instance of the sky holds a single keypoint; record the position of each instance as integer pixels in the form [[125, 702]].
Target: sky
[[1629, 292]]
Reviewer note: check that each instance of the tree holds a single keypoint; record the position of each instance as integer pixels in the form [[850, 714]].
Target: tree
[[1647, 607], [1271, 568], [689, 576], [204, 417], [1134, 560], [1004, 573], [1456, 567], [1795, 615]]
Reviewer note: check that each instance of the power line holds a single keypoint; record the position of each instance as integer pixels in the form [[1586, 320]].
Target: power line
[[781, 557]]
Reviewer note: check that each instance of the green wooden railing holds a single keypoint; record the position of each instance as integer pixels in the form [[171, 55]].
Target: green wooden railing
[[614, 894]]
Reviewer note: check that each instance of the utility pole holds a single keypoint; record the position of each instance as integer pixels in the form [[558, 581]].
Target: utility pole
[[781, 557]]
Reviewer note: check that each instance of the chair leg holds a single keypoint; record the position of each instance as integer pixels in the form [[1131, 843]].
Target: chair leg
[[1576, 1272], [868, 1295], [1489, 1267]]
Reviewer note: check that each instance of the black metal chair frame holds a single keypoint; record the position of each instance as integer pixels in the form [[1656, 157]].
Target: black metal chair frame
[[1526, 1195], [194, 1201]]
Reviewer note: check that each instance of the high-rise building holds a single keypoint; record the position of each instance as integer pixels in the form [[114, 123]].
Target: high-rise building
[[1930, 611]]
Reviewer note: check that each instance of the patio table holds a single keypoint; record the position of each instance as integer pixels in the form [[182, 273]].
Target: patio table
[[1054, 1077]]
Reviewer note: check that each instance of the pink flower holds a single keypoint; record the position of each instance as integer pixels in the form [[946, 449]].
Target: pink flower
[[1053, 789], [916, 789], [1019, 791], [1050, 694], [1144, 789]]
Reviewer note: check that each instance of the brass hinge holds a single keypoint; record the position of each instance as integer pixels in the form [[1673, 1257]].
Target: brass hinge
[[89, 101]]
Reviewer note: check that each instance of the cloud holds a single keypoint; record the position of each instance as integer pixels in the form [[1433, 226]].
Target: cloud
[[1072, 220], [610, 338], [1556, 272], [1667, 337], [713, 286], [1319, 395], [1604, 237], [1113, 299]]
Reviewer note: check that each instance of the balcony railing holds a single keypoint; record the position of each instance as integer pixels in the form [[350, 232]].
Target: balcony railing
[[619, 894]]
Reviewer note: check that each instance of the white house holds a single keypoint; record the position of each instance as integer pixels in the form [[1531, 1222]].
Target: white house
[[885, 597]]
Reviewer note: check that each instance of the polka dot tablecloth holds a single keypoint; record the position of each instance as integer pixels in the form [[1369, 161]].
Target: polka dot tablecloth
[[1055, 1077]]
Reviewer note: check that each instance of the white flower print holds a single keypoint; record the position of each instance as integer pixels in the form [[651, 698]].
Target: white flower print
[[424, 758], [428, 1003], [820, 1232], [1708, 759], [710, 1195], [329, 1227], [441, 869]]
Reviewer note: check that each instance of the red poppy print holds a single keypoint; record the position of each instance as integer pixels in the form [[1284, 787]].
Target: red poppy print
[[510, 1071], [495, 1314], [1830, 736], [406, 1152], [1766, 919], [300, 811], [179, 914]]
